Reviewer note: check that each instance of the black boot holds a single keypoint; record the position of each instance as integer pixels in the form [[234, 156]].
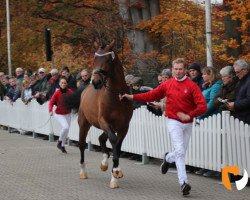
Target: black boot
[[63, 150], [59, 145]]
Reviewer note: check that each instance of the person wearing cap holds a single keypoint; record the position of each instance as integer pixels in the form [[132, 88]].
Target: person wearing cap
[[184, 102], [44, 87], [195, 74]]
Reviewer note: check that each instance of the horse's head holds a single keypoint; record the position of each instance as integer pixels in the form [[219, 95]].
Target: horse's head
[[103, 63]]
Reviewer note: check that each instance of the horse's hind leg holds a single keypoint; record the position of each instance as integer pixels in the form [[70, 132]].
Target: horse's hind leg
[[84, 128], [103, 139]]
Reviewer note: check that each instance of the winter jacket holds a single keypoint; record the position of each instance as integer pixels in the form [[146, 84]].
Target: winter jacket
[[227, 92], [242, 101], [210, 94]]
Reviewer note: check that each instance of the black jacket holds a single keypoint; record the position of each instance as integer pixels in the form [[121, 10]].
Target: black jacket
[[242, 101], [227, 92], [199, 81]]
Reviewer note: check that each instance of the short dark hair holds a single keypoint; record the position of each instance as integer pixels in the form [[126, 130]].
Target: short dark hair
[[65, 68]]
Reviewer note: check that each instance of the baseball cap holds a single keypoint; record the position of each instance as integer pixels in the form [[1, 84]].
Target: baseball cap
[[41, 70]]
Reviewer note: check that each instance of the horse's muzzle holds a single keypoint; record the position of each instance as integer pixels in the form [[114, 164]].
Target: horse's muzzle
[[98, 84]]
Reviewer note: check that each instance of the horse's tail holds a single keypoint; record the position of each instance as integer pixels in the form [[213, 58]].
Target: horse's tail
[[72, 100]]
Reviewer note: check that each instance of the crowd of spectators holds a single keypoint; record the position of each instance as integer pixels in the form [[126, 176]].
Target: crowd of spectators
[[227, 90], [39, 85]]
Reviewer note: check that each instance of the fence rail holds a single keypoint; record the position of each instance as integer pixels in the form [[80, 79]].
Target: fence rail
[[216, 141]]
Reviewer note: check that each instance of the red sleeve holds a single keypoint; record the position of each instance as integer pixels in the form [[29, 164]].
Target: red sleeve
[[200, 102], [153, 95], [53, 100], [70, 91]]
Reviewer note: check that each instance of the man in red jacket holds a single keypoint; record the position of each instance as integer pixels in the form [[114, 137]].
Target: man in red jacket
[[184, 102]]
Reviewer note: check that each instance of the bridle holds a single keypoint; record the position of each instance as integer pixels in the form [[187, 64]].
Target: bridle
[[103, 73], [106, 74]]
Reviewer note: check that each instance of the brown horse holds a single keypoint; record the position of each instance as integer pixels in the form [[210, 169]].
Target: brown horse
[[100, 107]]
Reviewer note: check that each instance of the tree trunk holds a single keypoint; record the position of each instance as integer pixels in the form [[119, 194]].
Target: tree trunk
[[136, 12], [231, 32]]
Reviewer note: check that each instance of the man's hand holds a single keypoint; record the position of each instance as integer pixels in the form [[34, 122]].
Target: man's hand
[[230, 106], [37, 95], [183, 117], [51, 113], [126, 96]]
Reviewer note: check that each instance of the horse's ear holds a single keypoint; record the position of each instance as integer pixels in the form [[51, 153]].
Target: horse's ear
[[111, 45], [96, 45]]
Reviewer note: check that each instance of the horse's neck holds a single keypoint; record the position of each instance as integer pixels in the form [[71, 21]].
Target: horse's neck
[[117, 81]]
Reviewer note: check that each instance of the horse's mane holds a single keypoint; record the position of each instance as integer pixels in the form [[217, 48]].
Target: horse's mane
[[73, 100]]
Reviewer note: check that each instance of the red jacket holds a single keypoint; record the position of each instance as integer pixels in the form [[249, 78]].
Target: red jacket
[[56, 99], [182, 96]]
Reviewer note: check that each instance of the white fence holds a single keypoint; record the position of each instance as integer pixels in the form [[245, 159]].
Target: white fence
[[216, 142]]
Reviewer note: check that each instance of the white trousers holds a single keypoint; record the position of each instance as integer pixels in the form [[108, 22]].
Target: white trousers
[[64, 121], [180, 134]]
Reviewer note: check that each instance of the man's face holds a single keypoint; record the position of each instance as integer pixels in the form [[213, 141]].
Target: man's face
[[179, 70], [65, 74], [41, 75], [19, 71], [240, 72], [164, 77], [12, 82], [84, 76], [193, 73], [1, 75]]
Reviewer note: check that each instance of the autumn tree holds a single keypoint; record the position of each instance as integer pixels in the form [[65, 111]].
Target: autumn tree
[[74, 25], [237, 29]]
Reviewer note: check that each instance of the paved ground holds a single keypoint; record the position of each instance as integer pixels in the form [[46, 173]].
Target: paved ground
[[34, 169]]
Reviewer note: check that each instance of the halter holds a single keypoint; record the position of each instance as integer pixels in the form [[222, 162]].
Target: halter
[[103, 73], [105, 54]]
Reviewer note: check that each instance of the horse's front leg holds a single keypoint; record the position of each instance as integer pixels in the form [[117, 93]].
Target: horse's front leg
[[84, 127], [83, 172], [116, 170], [103, 139]]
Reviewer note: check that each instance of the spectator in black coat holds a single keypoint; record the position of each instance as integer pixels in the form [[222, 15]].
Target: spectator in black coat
[[194, 71], [70, 79], [241, 105], [85, 79]]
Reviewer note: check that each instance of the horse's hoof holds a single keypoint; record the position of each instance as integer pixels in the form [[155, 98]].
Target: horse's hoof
[[83, 176], [104, 167], [114, 184], [117, 174]]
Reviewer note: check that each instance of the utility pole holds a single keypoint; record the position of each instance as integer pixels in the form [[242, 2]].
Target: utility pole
[[208, 33], [8, 36]]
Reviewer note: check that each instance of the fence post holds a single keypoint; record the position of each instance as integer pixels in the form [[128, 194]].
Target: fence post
[[34, 134], [51, 134], [224, 118], [69, 142], [90, 146], [145, 158]]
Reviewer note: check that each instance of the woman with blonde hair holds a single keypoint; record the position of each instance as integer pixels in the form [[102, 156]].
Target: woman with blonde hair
[[211, 87]]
